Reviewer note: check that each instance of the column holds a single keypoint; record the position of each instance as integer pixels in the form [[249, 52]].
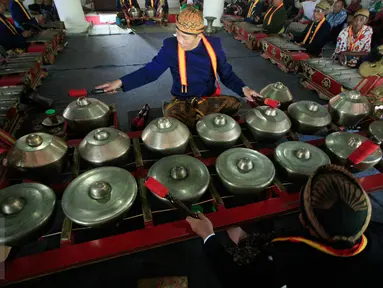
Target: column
[[70, 11], [213, 8]]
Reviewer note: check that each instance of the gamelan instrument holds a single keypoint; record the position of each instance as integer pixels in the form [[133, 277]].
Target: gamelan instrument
[[26, 73], [229, 21], [57, 26], [51, 41], [249, 33], [329, 78], [284, 53]]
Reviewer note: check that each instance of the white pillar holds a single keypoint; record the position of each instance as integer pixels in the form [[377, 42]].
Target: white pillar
[[213, 8], [70, 11]]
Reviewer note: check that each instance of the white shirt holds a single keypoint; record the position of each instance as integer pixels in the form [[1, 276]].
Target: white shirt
[[308, 8]]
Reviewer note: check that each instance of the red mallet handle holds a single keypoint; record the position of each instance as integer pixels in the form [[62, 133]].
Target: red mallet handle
[[156, 187], [78, 93], [272, 103], [362, 152]]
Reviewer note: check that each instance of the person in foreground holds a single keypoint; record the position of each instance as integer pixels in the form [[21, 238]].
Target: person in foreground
[[316, 33], [195, 61], [337, 246]]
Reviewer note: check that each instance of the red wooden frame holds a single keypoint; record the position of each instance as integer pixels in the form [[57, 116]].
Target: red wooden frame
[[333, 88], [287, 61], [70, 256]]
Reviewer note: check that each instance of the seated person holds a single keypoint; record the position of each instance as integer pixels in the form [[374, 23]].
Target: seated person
[[291, 10], [195, 61], [198, 4], [305, 16], [353, 7], [354, 41], [254, 12], [126, 4], [337, 245], [274, 19], [316, 34], [21, 16], [47, 9], [337, 18], [11, 37], [158, 4]]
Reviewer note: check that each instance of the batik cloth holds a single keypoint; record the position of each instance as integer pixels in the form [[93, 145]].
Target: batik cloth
[[190, 110]]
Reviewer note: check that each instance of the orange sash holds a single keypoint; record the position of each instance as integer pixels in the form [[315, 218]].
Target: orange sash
[[315, 32], [252, 6], [272, 14], [182, 66], [9, 26], [326, 249], [152, 4], [23, 8], [350, 40]]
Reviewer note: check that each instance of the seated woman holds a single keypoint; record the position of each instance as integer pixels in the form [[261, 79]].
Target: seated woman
[[254, 12], [23, 20], [354, 41], [333, 247], [11, 37], [316, 34]]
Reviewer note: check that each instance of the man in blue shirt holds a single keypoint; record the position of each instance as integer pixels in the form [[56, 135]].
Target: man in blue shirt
[[23, 20], [195, 61], [337, 18]]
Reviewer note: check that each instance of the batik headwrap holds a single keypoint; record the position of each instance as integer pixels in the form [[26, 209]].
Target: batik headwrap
[[190, 21], [335, 205]]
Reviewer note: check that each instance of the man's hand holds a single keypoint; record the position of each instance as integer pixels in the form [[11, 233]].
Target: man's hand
[[290, 36], [250, 94], [202, 227], [111, 87], [26, 33]]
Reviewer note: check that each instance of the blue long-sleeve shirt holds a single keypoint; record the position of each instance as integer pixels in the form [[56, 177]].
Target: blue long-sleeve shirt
[[10, 36], [200, 74], [20, 14], [336, 19]]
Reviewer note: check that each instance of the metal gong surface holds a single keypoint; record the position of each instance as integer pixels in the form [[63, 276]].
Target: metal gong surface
[[36, 150], [25, 208], [342, 144], [166, 135], [300, 158], [218, 129], [268, 120], [104, 144], [349, 108], [376, 130], [310, 113], [277, 91], [86, 109], [186, 177], [99, 196], [244, 170]]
